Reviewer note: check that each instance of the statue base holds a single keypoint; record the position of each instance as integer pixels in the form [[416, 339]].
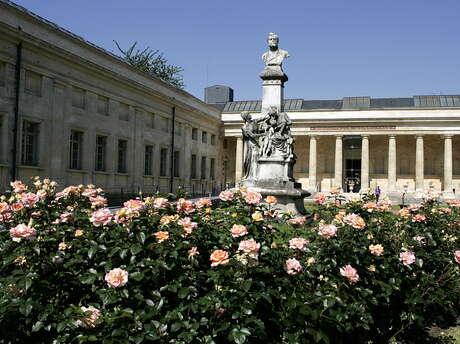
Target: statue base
[[274, 177]]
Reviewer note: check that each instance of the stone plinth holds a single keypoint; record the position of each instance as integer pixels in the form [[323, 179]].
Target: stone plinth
[[275, 179], [273, 90]]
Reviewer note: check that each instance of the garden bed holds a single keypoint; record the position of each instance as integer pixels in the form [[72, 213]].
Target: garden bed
[[189, 272]]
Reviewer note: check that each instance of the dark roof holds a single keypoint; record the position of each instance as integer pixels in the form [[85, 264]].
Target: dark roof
[[347, 103]]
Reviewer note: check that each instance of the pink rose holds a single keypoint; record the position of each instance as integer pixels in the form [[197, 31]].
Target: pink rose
[[453, 203], [91, 319], [293, 266], [203, 203], [193, 252], [376, 249], [98, 201], [298, 243], [18, 186], [413, 207], [355, 221], [66, 217], [272, 200], [187, 223], [457, 256], [297, 221], [419, 218], [17, 206], [184, 206], [116, 278], [407, 257], [420, 239], [89, 192], [350, 273], [5, 208], [370, 206], [6, 217], [101, 217], [29, 199], [133, 206], [226, 195], [252, 197], [249, 246], [22, 231], [160, 202], [238, 230], [319, 198], [327, 231], [219, 257]]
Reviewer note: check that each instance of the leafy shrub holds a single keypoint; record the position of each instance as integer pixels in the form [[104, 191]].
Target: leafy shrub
[[73, 272]]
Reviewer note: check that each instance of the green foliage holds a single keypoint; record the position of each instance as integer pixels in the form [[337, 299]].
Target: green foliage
[[172, 297], [153, 63]]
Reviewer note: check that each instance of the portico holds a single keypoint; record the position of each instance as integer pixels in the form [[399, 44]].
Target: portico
[[413, 149]]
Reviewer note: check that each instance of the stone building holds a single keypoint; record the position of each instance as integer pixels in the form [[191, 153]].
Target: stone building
[[82, 115], [360, 143]]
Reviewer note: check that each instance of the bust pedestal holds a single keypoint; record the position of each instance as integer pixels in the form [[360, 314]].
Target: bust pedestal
[[273, 88]]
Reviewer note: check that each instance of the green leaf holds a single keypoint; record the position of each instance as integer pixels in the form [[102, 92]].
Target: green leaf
[[137, 276], [37, 326], [141, 237], [183, 292], [92, 250], [135, 249], [247, 285]]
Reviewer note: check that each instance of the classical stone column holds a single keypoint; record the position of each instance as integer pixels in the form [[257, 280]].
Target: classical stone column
[[419, 166], [392, 163], [338, 161], [365, 163], [239, 160], [312, 164], [448, 166]]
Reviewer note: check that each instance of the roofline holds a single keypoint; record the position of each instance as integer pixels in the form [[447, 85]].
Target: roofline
[[80, 40]]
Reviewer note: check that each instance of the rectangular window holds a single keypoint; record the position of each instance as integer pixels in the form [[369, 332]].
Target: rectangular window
[[193, 167], [176, 166], [78, 97], [225, 143], [122, 155], [203, 167], [165, 124], [101, 153], [33, 83], [123, 112], [103, 105], [194, 134], [163, 162], [30, 132], [212, 175], [213, 140], [76, 150], [148, 161], [204, 137]]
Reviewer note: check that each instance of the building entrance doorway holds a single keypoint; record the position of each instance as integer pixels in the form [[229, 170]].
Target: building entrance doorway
[[352, 159]]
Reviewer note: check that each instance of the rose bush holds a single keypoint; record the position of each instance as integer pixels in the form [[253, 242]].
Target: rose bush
[[185, 272]]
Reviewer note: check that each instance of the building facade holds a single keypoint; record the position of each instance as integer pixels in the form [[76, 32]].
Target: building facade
[[360, 143], [71, 111], [74, 112]]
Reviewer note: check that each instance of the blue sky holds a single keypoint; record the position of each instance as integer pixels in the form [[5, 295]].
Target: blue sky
[[338, 48]]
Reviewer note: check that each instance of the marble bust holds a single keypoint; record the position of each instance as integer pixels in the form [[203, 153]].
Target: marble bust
[[273, 58]]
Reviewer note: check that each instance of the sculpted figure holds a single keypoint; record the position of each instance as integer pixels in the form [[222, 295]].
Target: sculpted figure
[[274, 57], [276, 138], [251, 144]]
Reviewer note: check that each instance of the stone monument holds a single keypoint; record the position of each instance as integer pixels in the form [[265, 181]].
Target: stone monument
[[269, 157]]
